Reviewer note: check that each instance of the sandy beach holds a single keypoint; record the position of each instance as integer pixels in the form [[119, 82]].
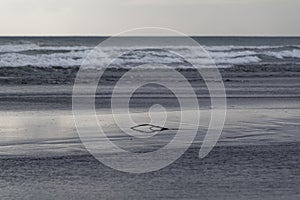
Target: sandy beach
[[256, 157]]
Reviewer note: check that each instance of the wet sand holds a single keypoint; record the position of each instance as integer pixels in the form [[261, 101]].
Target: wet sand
[[257, 156]]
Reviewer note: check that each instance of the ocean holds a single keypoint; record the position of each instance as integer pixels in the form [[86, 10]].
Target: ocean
[[256, 157], [70, 51]]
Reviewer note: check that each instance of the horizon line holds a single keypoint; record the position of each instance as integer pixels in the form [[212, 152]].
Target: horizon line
[[149, 36]]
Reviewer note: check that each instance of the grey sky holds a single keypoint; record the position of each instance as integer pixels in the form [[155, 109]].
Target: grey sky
[[193, 17]]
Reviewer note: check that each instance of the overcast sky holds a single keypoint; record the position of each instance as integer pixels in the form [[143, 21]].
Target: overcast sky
[[109, 17]]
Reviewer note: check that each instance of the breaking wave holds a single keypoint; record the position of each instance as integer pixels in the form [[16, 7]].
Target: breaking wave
[[29, 54]]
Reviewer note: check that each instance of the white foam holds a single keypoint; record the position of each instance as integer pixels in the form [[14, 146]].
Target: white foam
[[285, 54], [13, 55], [20, 60]]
